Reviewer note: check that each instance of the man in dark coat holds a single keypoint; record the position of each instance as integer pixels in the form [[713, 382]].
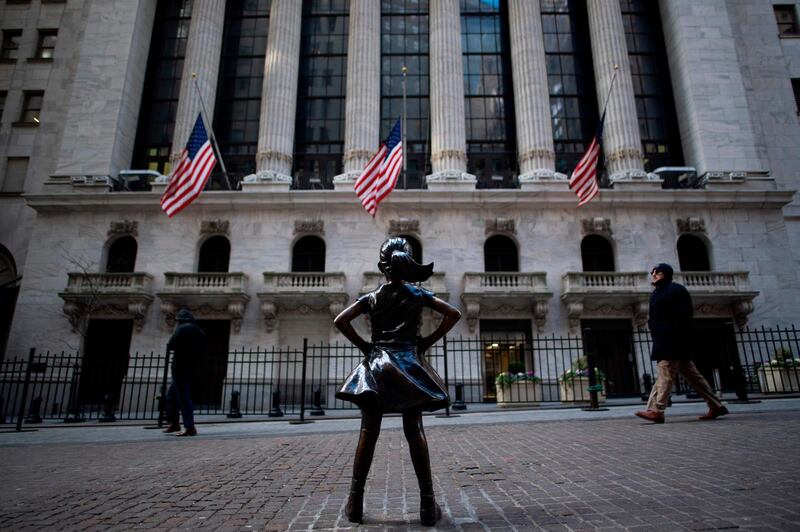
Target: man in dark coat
[[186, 343], [671, 329]]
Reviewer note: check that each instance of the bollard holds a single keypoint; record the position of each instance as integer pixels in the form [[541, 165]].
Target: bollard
[[276, 411], [108, 410], [34, 415], [647, 382], [316, 406], [459, 404], [234, 412]]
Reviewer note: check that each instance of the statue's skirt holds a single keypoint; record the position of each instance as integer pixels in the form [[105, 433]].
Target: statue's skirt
[[393, 378]]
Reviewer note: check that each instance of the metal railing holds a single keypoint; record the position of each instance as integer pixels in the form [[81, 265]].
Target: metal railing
[[290, 381]]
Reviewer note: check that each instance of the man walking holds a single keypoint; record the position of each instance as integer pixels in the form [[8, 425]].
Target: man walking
[[186, 342], [671, 328]]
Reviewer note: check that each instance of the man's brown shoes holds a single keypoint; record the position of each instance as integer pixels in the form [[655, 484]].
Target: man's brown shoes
[[714, 413], [173, 427], [651, 415]]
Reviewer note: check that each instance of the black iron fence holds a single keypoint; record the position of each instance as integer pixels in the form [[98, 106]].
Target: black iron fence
[[511, 371]]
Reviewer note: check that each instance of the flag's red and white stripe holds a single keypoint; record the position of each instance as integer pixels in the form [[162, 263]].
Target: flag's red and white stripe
[[190, 175], [380, 174], [584, 178]]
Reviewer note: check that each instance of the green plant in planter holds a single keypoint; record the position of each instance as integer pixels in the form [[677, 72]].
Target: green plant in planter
[[507, 378], [783, 359], [580, 369]]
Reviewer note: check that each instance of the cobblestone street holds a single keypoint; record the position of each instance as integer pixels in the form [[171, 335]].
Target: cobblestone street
[[513, 471]]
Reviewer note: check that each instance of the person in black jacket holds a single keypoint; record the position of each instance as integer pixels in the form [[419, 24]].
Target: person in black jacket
[[186, 342], [671, 329]]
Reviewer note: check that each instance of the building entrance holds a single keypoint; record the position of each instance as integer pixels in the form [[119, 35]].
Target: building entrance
[[211, 366], [505, 346], [105, 360], [715, 353], [613, 351]]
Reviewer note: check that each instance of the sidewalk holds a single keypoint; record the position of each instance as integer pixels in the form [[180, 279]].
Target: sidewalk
[[564, 469]]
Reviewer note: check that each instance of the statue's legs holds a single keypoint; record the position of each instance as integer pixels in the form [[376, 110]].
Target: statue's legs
[[429, 511], [370, 429]]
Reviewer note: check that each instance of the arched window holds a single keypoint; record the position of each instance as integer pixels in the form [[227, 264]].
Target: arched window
[[309, 255], [597, 254], [500, 255], [416, 247], [693, 254], [215, 255], [122, 255]]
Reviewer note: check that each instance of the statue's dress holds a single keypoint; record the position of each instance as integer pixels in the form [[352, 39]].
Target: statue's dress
[[393, 376]]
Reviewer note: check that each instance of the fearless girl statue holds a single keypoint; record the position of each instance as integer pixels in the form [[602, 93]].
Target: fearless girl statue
[[394, 377]]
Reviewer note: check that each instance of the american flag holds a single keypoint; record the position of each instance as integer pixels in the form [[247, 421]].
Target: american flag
[[380, 175], [584, 178], [190, 175]]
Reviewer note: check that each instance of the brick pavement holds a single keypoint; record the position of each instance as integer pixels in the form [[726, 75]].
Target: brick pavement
[[610, 474]]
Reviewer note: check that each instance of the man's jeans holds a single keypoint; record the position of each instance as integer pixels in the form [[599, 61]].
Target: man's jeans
[[179, 395], [667, 371]]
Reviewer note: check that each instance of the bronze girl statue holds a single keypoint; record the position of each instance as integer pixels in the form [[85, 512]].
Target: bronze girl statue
[[393, 376]]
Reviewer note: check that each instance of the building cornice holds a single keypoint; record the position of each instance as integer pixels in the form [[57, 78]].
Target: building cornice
[[422, 199]]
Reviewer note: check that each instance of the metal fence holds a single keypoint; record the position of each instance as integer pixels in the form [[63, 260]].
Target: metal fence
[[511, 371]]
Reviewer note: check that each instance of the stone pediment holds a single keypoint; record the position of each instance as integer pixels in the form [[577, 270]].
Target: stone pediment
[[524, 292], [301, 291], [210, 295], [107, 295]]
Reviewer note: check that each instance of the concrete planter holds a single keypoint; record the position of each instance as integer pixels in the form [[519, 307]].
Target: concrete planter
[[525, 393], [779, 380], [576, 390]]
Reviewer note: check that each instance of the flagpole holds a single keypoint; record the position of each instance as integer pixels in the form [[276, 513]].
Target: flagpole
[[403, 126], [211, 131], [610, 88]]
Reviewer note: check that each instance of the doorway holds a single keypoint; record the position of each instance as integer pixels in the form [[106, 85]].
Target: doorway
[[211, 366], [613, 352], [715, 353], [105, 360], [506, 347]]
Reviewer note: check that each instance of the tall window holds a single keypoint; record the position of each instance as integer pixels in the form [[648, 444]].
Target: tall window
[[238, 108], [46, 44], [404, 42], [3, 95], [488, 91], [308, 255], [319, 130], [500, 254], [31, 107], [16, 172], [652, 87], [693, 254], [570, 76], [786, 18], [215, 255], [122, 255], [162, 86], [9, 51], [597, 254], [795, 91]]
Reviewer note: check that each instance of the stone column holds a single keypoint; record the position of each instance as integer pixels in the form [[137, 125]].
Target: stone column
[[448, 136], [363, 104], [203, 51], [622, 145], [278, 98], [531, 92]]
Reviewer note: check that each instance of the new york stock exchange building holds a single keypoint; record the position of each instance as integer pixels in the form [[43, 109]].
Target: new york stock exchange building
[[498, 100]]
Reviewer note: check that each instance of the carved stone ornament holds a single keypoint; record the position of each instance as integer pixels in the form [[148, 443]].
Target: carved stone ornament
[[403, 226], [125, 227], [501, 225], [692, 224], [309, 227], [215, 227], [597, 225]]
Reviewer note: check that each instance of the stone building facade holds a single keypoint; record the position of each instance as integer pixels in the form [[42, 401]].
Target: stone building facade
[[703, 179]]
